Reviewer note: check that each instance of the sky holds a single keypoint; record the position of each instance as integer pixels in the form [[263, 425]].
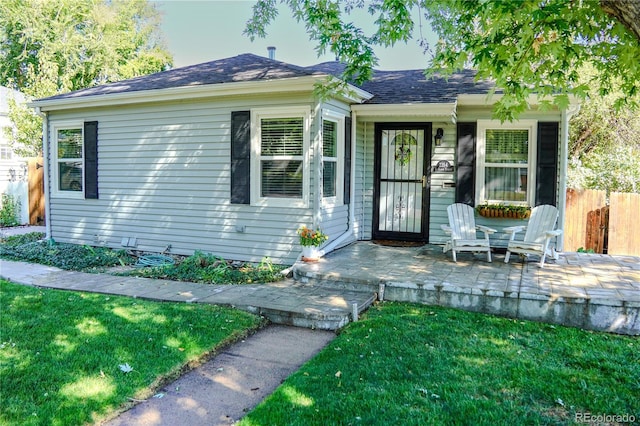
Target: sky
[[206, 30]]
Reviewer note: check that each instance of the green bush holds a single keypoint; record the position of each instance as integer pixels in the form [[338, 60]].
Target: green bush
[[74, 257], [211, 269], [17, 240], [9, 211]]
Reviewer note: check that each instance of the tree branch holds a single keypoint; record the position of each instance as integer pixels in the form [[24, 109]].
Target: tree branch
[[627, 12]]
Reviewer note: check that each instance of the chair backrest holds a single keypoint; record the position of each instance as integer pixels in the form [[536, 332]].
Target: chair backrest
[[543, 218], [462, 221]]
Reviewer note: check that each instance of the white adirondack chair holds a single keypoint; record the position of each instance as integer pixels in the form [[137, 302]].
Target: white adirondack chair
[[462, 230], [539, 232]]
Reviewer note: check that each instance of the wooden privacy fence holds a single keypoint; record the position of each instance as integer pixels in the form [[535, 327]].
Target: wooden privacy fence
[[36, 191], [591, 224], [624, 224]]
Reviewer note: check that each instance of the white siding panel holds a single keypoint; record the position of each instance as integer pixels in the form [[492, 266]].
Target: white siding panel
[[335, 221], [164, 177], [443, 192], [363, 196]]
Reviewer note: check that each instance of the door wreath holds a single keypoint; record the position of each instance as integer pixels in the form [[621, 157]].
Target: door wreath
[[403, 143]]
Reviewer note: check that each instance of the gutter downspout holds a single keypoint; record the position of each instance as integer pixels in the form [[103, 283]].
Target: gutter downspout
[[316, 149], [45, 161], [564, 166], [349, 233]]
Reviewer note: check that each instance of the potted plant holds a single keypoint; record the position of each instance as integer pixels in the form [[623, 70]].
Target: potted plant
[[310, 240], [504, 211]]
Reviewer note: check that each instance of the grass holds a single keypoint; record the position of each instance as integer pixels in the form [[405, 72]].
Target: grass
[[61, 352], [419, 365]]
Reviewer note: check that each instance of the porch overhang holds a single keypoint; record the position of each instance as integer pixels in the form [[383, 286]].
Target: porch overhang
[[373, 112], [489, 99]]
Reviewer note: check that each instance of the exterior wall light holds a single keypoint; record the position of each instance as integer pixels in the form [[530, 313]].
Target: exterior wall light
[[439, 135]]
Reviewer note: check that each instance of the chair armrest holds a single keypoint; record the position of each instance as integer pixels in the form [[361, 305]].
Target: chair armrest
[[514, 229], [485, 229], [554, 233], [447, 229]]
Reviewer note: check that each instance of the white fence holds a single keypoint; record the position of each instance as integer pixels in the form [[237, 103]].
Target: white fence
[[13, 181]]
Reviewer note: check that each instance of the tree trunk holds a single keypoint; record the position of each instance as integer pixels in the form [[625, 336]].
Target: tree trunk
[[627, 12]]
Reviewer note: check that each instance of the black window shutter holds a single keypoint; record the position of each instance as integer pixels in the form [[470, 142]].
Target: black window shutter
[[547, 163], [466, 163], [240, 157], [347, 160], [91, 159]]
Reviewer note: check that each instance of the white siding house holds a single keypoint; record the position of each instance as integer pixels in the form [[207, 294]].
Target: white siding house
[[233, 156]]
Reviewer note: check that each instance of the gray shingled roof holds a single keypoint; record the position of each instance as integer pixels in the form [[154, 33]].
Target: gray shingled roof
[[246, 67], [388, 87], [411, 86]]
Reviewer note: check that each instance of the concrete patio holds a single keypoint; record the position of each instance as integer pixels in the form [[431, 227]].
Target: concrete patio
[[591, 291]]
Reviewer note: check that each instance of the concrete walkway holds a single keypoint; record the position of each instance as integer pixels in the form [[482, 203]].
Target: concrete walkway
[[18, 230], [224, 389]]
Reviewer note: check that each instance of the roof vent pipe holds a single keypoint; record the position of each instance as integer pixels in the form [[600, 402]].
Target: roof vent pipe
[[272, 52]]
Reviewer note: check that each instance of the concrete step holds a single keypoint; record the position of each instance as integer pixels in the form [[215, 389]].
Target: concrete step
[[332, 281], [311, 306]]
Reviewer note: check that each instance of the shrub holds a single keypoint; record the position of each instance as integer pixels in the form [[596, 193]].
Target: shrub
[[17, 240], [74, 257], [211, 269], [9, 211]]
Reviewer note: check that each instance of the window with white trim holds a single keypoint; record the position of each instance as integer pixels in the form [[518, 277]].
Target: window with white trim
[[5, 153], [280, 143], [332, 158], [69, 159], [506, 162]]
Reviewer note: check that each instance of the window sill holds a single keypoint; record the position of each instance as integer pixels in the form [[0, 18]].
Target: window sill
[[74, 195], [281, 202]]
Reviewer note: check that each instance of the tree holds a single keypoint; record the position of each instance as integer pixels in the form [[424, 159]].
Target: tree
[[604, 144], [528, 47], [56, 46]]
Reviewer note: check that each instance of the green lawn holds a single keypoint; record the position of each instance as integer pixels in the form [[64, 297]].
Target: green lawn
[[419, 365], [61, 352]]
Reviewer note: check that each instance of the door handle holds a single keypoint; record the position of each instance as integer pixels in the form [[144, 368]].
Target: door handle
[[424, 181]]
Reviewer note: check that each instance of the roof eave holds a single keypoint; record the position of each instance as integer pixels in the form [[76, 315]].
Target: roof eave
[[445, 110], [489, 99], [353, 94], [287, 85]]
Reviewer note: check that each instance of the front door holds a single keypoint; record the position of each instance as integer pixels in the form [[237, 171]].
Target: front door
[[401, 190]]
